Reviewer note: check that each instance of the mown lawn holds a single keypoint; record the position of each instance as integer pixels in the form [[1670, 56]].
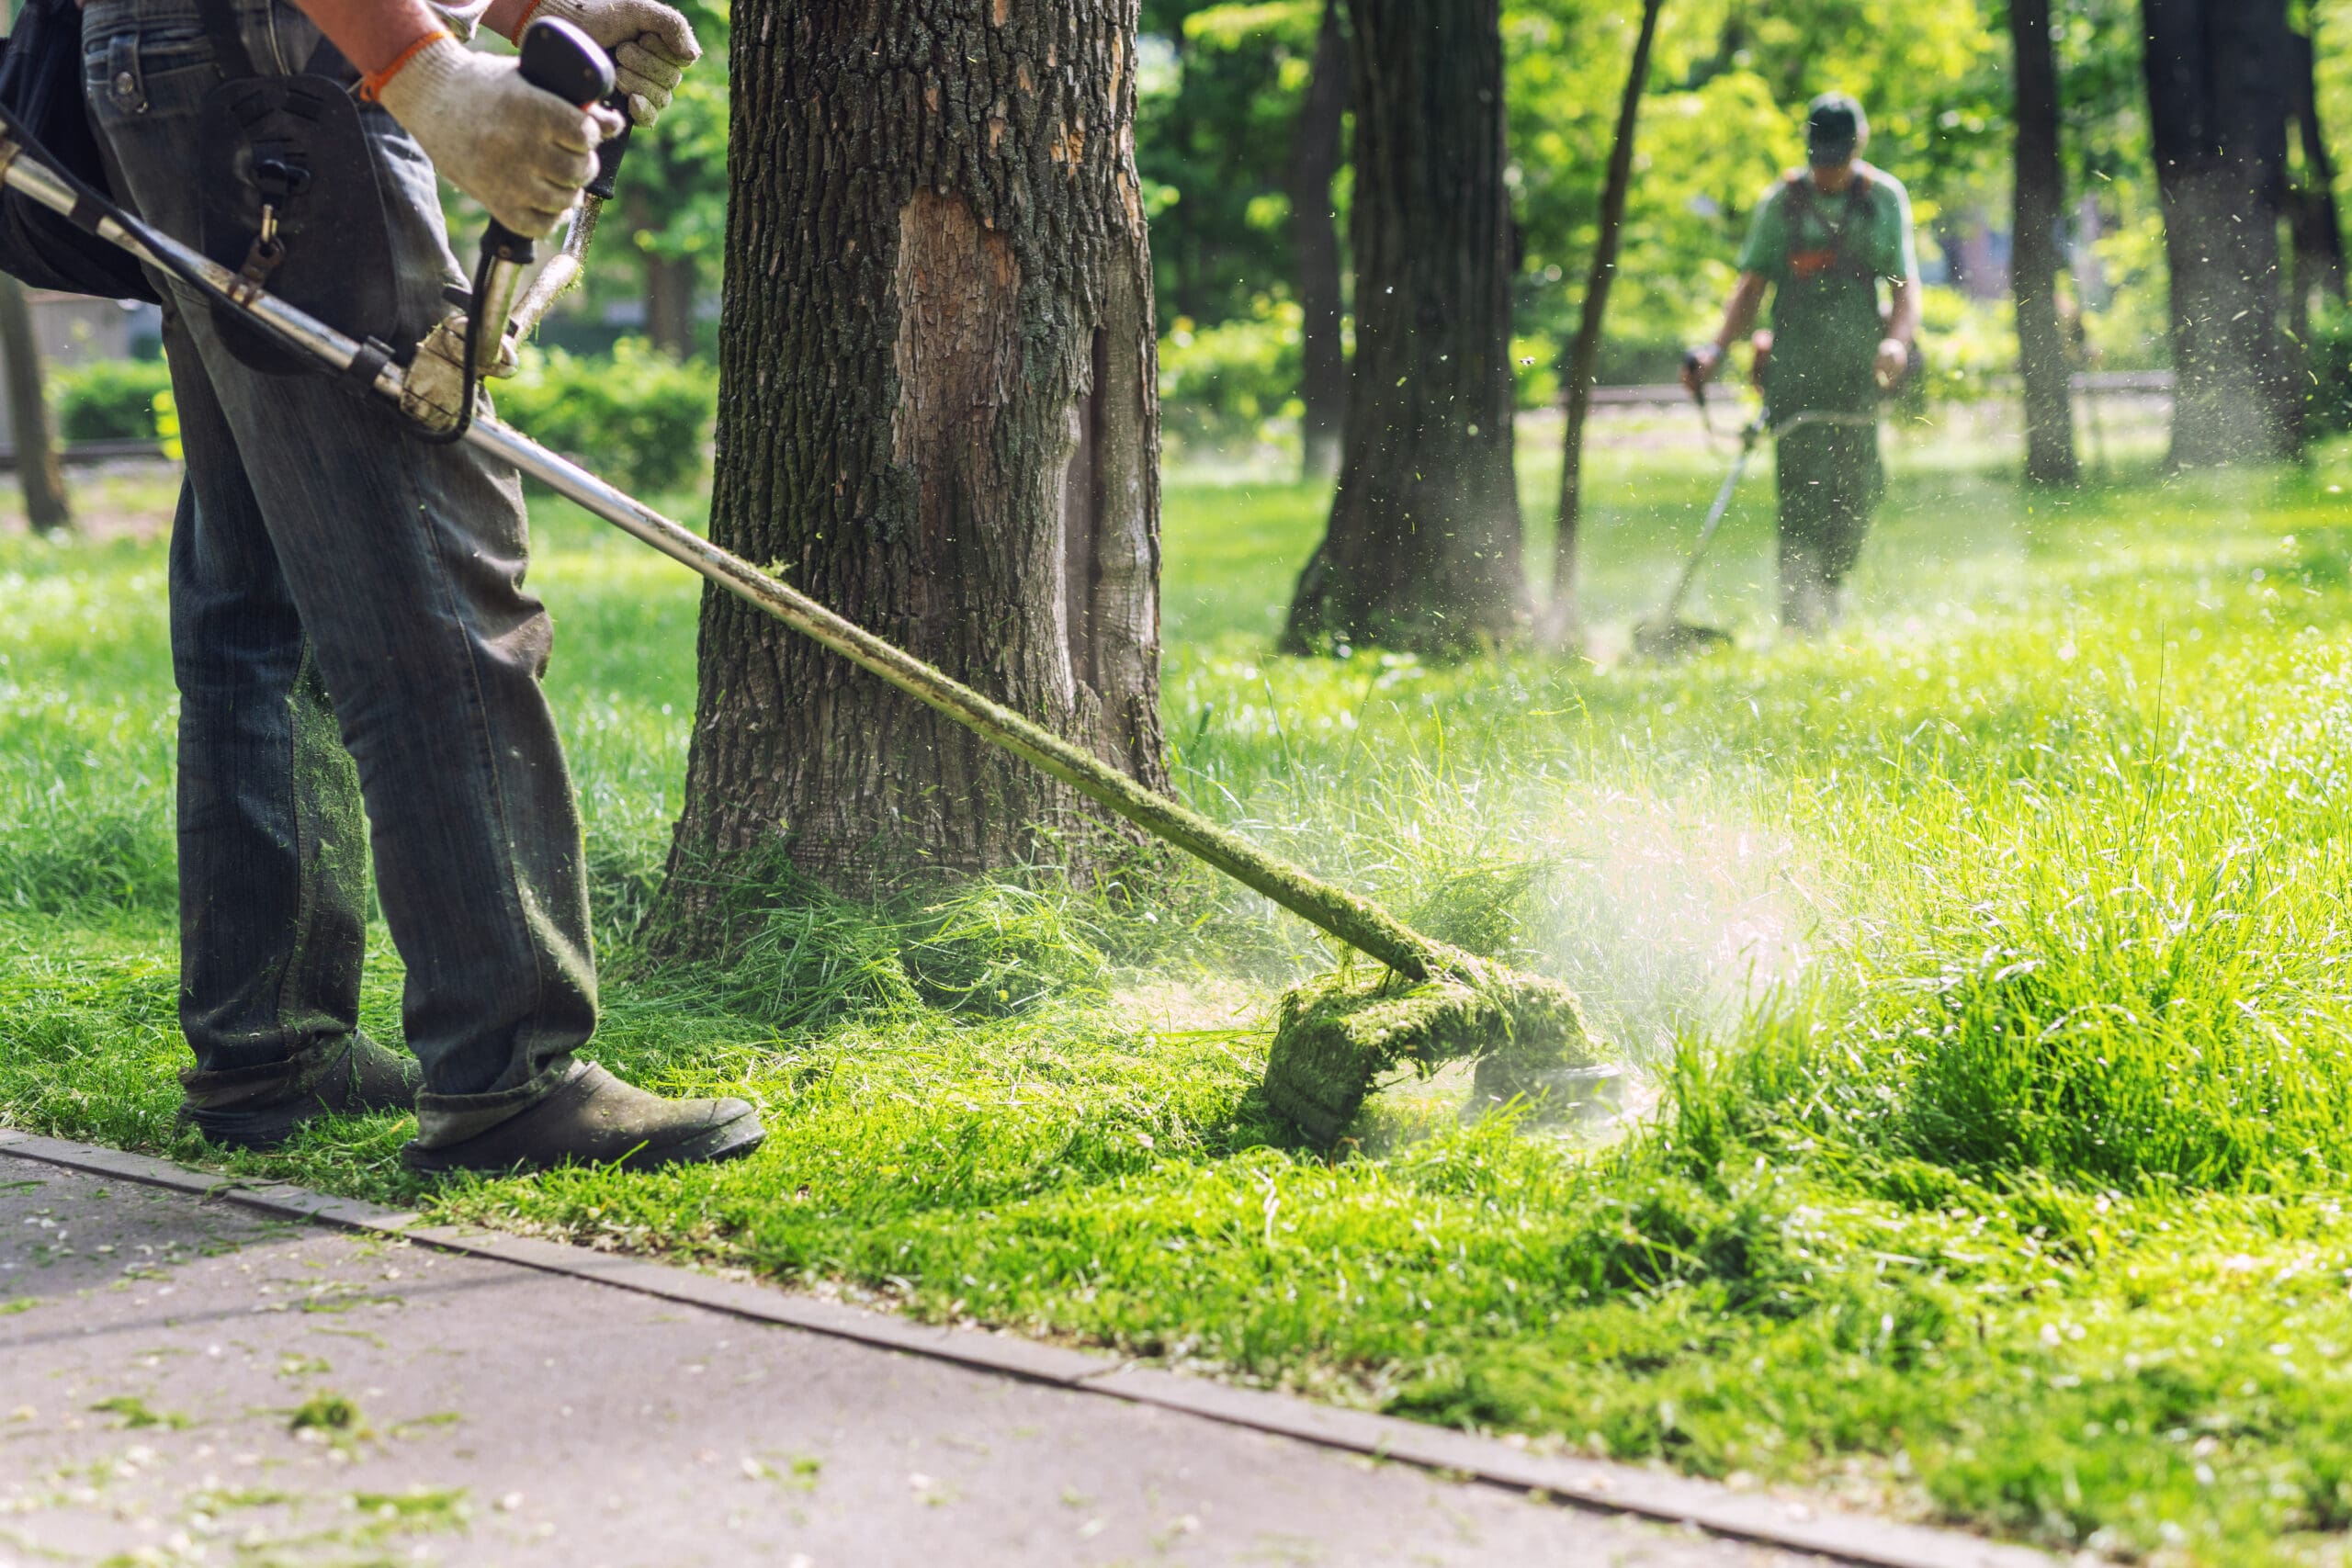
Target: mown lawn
[[1989, 966]]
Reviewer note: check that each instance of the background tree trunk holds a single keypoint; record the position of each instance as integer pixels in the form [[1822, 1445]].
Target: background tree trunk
[[2216, 71], [1315, 238], [1423, 547], [2317, 226], [937, 413], [669, 303], [1564, 623], [2041, 198], [38, 468]]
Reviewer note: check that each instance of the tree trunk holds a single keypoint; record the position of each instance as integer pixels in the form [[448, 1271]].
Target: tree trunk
[[2041, 197], [2317, 226], [1564, 623], [38, 469], [938, 414], [669, 284], [669, 303], [2218, 121], [1315, 238], [1423, 547]]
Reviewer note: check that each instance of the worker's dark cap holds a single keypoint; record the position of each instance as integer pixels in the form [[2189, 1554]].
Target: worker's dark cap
[[1834, 128]]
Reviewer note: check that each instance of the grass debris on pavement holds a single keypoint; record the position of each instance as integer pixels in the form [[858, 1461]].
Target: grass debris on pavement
[[1990, 965]]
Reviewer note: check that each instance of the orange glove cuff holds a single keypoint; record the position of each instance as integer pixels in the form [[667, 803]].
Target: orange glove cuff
[[371, 85]]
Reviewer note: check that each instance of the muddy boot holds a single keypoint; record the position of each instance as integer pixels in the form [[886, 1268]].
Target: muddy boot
[[592, 1117], [260, 1107]]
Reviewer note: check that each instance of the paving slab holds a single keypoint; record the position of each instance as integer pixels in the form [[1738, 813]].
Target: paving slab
[[187, 1379]]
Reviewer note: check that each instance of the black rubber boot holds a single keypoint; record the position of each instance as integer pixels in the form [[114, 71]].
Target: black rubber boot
[[260, 1107], [592, 1117]]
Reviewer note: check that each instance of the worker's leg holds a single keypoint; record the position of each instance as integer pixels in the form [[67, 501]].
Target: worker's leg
[[404, 563], [272, 853], [1805, 491], [1829, 477], [1857, 479]]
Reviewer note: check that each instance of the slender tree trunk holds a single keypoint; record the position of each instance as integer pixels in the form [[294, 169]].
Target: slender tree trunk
[[938, 414], [669, 303], [1423, 547], [1564, 623], [2038, 255], [2316, 224], [669, 286], [1315, 238], [2218, 121], [38, 468]]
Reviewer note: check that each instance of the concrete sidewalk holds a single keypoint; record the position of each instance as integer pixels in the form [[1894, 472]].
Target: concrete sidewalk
[[184, 1380]]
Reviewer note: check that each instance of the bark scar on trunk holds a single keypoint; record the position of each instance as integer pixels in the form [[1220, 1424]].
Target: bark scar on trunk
[[958, 350]]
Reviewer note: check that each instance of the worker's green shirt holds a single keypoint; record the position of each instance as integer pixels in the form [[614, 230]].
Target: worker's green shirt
[[1825, 255]]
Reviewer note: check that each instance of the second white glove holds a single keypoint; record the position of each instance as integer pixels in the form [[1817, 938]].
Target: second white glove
[[522, 153], [652, 45]]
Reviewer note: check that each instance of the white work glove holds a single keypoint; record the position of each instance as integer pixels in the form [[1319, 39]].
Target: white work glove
[[651, 43], [522, 153]]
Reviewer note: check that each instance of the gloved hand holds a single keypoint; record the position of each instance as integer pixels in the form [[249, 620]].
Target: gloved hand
[[651, 43], [522, 153]]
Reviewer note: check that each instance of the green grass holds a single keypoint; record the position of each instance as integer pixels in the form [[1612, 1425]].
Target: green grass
[[1990, 966]]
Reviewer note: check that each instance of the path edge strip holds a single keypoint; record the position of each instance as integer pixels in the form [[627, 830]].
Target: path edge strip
[[1589, 1483]]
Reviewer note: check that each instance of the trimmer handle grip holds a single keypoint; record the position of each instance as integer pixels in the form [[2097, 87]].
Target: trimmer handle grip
[[559, 57], [611, 151], [1695, 371]]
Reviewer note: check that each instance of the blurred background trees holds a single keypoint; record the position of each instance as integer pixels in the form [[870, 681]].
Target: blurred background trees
[[1245, 143]]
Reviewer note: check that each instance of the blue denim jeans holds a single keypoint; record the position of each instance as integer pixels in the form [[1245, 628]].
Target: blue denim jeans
[[349, 630]]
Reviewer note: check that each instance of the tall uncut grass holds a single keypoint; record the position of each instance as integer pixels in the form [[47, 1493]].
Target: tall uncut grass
[[1983, 971]]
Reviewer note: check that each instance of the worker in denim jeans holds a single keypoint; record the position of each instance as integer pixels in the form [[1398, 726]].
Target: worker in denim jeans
[[350, 632]]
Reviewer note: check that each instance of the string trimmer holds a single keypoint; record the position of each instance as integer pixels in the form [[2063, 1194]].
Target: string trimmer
[[1432, 1004], [1666, 635]]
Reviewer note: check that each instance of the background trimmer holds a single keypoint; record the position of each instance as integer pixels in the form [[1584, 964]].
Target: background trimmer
[[1666, 635]]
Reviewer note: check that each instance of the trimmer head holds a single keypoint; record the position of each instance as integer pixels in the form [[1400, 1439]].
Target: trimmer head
[[1335, 1036], [1665, 641]]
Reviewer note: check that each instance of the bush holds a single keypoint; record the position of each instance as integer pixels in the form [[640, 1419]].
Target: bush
[[110, 399], [1229, 381], [639, 419]]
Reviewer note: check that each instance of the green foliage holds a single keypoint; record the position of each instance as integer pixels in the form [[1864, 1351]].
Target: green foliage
[[110, 399], [639, 419], [1230, 382], [1218, 104]]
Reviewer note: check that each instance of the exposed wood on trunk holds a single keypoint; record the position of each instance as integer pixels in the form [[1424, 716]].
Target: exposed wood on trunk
[[2040, 217], [1316, 151], [1423, 547], [938, 413], [38, 470], [1564, 623], [2218, 123]]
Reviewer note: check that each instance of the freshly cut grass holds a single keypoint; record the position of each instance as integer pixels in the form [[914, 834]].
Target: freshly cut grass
[[1990, 966]]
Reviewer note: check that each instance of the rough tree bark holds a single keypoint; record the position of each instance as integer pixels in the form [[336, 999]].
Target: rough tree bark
[[2316, 224], [1423, 547], [938, 414], [1315, 241], [2218, 120], [2040, 206], [38, 470], [1563, 622]]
